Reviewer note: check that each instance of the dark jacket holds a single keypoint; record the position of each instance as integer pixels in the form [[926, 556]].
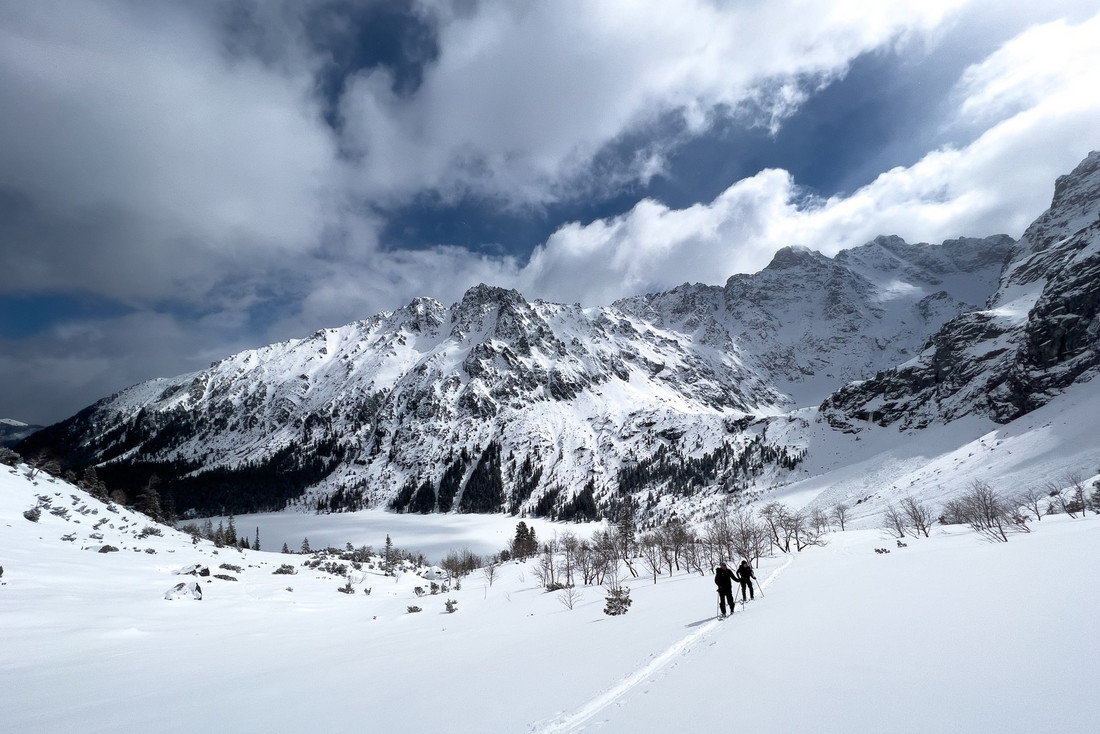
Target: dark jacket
[[724, 578], [745, 573]]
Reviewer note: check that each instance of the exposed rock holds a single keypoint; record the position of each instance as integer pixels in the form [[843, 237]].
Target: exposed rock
[[184, 590]]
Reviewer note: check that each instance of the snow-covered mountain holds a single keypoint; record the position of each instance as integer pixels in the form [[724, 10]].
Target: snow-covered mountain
[[497, 403], [1037, 335]]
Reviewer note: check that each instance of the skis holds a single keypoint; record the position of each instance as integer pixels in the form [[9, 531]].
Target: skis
[[718, 608]]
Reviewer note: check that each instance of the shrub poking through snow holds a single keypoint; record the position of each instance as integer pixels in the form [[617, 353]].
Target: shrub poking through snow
[[452, 606], [618, 601], [414, 610]]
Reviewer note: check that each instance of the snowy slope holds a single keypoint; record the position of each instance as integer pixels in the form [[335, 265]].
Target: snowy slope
[[932, 637]]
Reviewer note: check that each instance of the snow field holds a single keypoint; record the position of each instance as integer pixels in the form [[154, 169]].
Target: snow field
[[951, 633]]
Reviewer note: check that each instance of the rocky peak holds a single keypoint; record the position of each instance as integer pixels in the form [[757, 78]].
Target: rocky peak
[[425, 315], [1076, 204], [480, 308], [796, 256]]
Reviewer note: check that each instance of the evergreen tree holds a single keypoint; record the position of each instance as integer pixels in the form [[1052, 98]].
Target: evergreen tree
[[231, 532], [305, 546], [388, 558], [90, 482], [618, 601], [423, 501], [450, 483], [256, 542], [286, 549], [524, 544], [148, 499], [484, 490]]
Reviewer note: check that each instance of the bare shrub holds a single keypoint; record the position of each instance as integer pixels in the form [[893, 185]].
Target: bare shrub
[[893, 520], [918, 515], [569, 597], [986, 512]]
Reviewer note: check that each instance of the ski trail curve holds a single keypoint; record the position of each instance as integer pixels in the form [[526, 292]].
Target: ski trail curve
[[570, 721]]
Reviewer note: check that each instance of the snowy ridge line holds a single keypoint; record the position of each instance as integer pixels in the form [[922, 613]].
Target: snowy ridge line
[[570, 722]]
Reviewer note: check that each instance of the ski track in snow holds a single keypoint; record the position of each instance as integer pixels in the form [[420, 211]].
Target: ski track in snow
[[571, 722]]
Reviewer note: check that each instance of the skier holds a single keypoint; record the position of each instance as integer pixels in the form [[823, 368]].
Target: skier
[[745, 576], [723, 579]]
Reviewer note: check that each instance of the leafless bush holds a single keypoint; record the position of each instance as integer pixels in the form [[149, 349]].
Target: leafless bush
[[839, 515], [893, 520], [918, 515], [650, 545], [1031, 498], [489, 570], [986, 512], [569, 597]]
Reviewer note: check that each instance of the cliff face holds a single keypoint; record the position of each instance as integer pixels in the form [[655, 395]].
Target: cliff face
[[1036, 336]]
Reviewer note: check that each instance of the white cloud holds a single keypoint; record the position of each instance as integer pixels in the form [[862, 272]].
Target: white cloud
[[522, 97], [1043, 119], [141, 160]]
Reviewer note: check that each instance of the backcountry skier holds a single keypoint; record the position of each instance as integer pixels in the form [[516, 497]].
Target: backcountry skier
[[745, 576], [723, 579]]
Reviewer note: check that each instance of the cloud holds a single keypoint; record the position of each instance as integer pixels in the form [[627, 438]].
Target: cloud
[[157, 156], [141, 159], [523, 98], [1041, 119], [75, 363]]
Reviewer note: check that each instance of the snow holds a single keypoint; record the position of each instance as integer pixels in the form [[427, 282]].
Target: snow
[[951, 633]]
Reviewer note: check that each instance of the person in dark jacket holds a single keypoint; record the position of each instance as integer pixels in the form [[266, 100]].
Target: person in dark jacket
[[723, 579], [745, 576]]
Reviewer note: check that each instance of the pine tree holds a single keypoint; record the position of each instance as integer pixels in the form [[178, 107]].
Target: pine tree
[[148, 499], [423, 501], [524, 544], [91, 483], [388, 560], [231, 532], [305, 546], [286, 549], [256, 542], [618, 601]]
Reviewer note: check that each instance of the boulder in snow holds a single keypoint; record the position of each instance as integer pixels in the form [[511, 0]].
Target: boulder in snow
[[184, 590]]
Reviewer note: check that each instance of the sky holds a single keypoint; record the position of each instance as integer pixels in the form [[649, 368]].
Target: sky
[[181, 181]]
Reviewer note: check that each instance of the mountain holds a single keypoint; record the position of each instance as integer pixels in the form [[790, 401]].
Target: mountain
[[699, 393], [1035, 337], [13, 431]]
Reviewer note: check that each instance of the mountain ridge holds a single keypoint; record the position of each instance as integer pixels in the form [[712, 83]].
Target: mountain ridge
[[528, 406]]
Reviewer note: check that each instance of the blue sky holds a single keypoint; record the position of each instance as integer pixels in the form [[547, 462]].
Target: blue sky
[[180, 181]]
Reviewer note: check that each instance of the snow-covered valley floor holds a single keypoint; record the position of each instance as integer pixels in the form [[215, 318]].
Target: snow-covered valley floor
[[951, 633]]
